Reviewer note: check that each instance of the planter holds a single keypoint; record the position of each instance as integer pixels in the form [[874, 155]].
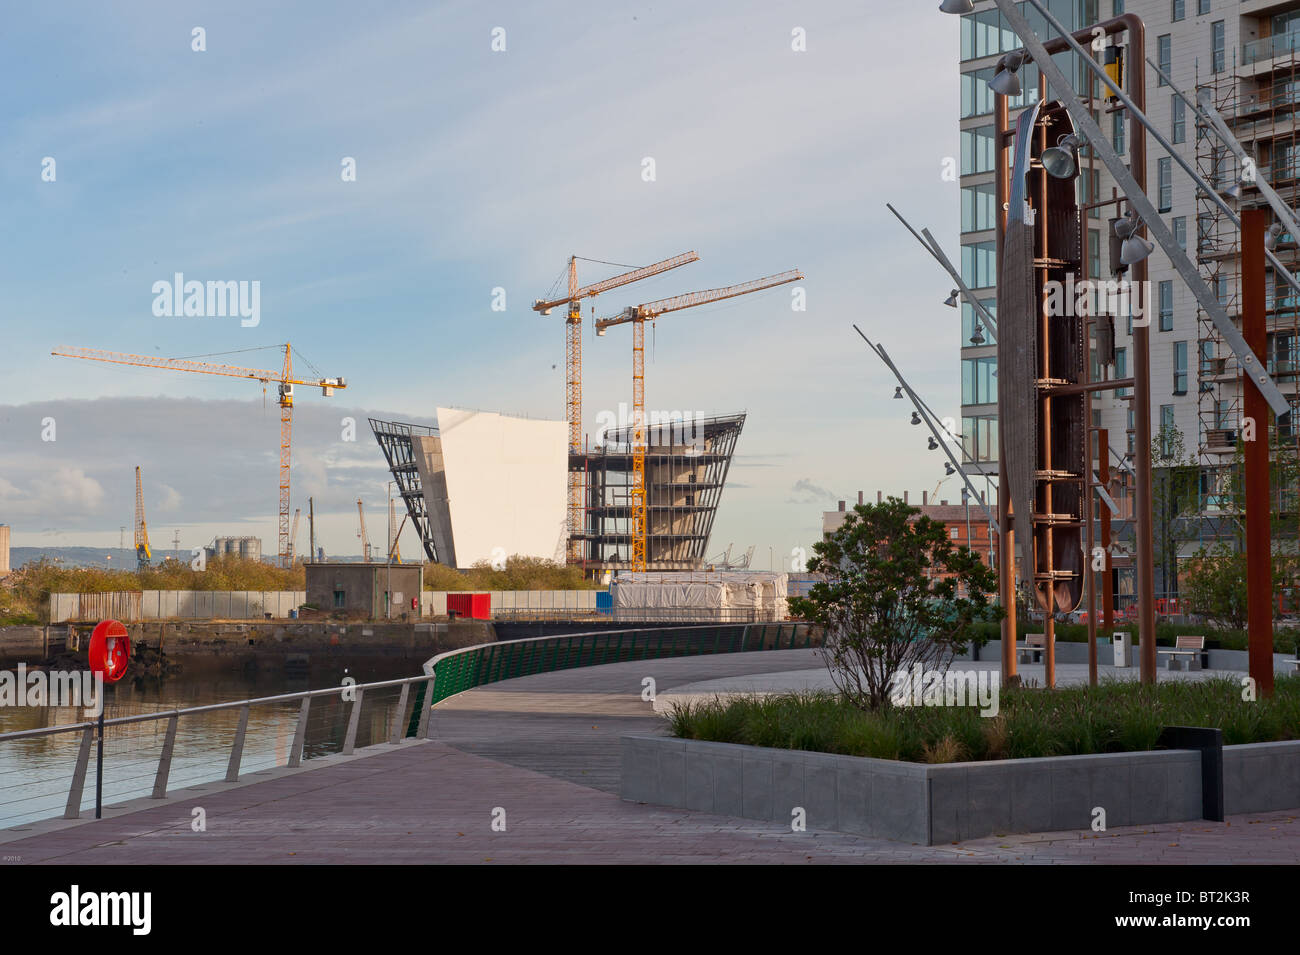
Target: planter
[[939, 803]]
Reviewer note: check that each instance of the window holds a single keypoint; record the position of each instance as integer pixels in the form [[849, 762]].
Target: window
[[1177, 119], [1090, 190], [1167, 306], [1180, 10], [978, 384], [339, 600], [1285, 429], [1167, 426], [1202, 7], [970, 318], [1119, 8], [1221, 289], [952, 534], [1094, 254], [1179, 227], [977, 207], [1164, 57], [1165, 179], [1117, 130], [977, 98], [1217, 51], [1207, 358], [1121, 370], [1180, 368], [980, 438], [977, 150], [1132, 434], [1204, 224], [978, 268]]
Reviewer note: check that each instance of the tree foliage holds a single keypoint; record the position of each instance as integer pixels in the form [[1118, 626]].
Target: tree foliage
[[896, 593]]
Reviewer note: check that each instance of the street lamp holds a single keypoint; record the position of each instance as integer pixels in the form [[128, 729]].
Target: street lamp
[[898, 391], [916, 417], [957, 6], [1272, 236], [951, 300], [977, 338], [1134, 248]]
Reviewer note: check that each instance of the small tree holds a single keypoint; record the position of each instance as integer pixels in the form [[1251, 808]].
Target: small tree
[[895, 594]]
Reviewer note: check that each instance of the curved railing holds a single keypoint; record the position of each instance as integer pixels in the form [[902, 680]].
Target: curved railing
[[445, 675]]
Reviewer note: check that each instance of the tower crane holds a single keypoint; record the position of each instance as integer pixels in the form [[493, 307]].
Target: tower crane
[[573, 364], [638, 315], [142, 551], [365, 540], [283, 378]]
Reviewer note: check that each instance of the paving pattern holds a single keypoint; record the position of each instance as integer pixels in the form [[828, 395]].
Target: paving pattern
[[539, 756]]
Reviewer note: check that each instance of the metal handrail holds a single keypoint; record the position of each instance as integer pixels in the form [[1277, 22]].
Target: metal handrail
[[465, 676]]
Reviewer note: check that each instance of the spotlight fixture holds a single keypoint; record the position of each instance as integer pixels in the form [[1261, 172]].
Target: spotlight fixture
[[1231, 191], [898, 391], [951, 300], [1006, 74], [1273, 235], [957, 6], [949, 470], [916, 417], [1134, 248], [933, 445], [1061, 160], [978, 337]]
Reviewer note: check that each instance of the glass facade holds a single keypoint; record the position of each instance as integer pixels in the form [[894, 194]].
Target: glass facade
[[979, 384], [970, 318], [978, 204], [978, 266], [980, 438], [977, 150]]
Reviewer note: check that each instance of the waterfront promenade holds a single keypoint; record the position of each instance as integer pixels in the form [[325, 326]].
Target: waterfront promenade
[[527, 771]]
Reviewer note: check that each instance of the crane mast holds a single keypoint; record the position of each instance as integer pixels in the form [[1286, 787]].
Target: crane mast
[[142, 551]]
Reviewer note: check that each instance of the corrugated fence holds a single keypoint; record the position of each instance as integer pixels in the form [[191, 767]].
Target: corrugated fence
[[135, 606]]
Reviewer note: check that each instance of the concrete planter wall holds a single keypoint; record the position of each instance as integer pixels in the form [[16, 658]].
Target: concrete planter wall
[[949, 802]]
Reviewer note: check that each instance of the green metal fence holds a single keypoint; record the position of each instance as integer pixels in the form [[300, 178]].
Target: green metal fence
[[460, 670]]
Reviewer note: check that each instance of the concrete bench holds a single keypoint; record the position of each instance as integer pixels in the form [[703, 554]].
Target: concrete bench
[[1185, 646], [1031, 651]]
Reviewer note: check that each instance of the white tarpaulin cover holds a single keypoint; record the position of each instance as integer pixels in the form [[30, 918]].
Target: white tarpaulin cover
[[760, 592]]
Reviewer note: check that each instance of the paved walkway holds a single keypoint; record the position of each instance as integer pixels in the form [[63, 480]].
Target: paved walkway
[[544, 750]]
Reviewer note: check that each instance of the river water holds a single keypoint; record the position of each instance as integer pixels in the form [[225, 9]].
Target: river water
[[35, 774]]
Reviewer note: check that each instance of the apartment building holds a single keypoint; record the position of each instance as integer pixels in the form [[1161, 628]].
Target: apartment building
[[1248, 55]]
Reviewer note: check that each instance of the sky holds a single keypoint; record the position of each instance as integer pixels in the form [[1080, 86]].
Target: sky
[[475, 170]]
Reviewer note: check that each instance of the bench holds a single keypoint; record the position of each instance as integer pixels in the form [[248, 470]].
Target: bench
[[1185, 646], [1031, 650]]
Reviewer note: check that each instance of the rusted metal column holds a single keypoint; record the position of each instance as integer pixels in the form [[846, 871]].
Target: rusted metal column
[[1006, 517], [1108, 581], [1259, 547]]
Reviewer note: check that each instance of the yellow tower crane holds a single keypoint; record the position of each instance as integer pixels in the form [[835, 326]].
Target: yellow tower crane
[[284, 378], [638, 315], [365, 540], [573, 365], [142, 551]]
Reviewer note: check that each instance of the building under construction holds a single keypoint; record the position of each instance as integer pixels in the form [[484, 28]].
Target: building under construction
[[686, 464], [687, 461]]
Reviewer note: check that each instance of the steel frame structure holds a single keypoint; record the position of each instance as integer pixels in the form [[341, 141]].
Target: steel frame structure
[[394, 439]]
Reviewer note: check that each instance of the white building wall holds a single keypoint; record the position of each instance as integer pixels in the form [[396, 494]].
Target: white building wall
[[506, 485]]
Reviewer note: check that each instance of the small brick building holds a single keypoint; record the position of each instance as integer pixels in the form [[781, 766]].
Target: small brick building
[[361, 589]]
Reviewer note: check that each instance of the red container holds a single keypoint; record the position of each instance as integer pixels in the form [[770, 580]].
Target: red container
[[475, 606]]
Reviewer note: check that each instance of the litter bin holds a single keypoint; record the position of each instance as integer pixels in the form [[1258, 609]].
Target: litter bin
[[1122, 647]]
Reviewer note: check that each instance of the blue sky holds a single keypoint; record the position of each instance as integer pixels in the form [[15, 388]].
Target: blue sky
[[475, 169]]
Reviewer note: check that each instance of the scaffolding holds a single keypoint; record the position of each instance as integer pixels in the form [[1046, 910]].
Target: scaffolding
[[1260, 103], [686, 464]]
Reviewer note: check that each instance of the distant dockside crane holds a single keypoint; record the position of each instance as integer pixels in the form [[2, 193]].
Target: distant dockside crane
[[283, 378]]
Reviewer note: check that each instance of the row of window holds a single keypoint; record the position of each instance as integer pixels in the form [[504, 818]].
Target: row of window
[[986, 33]]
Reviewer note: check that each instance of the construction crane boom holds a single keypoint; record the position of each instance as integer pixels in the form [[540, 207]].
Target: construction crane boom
[[142, 551], [285, 380], [663, 306], [638, 315], [573, 365], [293, 537], [394, 551]]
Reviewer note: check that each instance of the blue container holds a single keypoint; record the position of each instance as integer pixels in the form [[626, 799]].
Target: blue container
[[293, 615], [604, 602]]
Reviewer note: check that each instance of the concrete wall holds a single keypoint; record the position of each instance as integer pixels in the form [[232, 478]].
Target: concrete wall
[[519, 601], [181, 604], [948, 802]]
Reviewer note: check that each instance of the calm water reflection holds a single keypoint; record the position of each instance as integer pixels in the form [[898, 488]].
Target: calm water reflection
[[35, 774]]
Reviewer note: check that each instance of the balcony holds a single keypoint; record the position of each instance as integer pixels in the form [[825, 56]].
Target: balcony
[[1257, 51]]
